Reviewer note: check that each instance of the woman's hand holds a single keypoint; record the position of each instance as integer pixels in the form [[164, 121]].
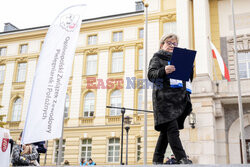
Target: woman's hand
[[169, 69]]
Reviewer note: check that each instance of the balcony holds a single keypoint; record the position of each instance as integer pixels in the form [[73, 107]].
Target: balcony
[[86, 121]]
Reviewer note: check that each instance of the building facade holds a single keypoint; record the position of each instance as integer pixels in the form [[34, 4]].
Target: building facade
[[110, 50]]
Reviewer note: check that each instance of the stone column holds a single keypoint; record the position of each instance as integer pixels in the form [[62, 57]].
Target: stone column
[[28, 86], [101, 99], [183, 22], [201, 34], [76, 90]]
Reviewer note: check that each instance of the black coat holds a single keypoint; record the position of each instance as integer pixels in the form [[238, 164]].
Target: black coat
[[168, 103]]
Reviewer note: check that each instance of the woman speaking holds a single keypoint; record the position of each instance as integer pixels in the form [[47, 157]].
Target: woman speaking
[[171, 101]]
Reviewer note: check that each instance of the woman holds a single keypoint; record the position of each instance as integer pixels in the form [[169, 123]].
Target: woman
[[171, 101]]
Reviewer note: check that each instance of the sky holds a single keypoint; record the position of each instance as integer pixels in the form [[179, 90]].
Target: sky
[[34, 13]]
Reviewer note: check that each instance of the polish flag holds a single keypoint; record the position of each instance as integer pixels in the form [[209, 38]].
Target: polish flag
[[222, 65]]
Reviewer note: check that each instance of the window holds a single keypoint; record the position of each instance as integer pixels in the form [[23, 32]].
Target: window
[[66, 106], [113, 150], [86, 149], [23, 49], [140, 100], [141, 33], [2, 72], [169, 27], [56, 151], [3, 51], [21, 72], [92, 39], [117, 36], [117, 62], [89, 104], [140, 59], [139, 6], [116, 101], [91, 66], [244, 64], [16, 110], [138, 149]]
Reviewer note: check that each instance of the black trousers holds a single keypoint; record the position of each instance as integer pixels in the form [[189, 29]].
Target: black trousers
[[170, 134]]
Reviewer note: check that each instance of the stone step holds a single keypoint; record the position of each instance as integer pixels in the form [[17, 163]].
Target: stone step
[[194, 165]]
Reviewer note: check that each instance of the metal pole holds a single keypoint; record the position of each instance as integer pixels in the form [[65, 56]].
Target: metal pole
[[243, 142], [127, 130], [145, 76], [59, 159], [123, 112]]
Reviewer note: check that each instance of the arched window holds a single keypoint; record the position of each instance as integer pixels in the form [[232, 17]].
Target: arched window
[[89, 104], [66, 106], [116, 101], [16, 110]]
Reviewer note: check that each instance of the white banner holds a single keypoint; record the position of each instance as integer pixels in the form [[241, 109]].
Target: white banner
[[4, 147], [46, 106]]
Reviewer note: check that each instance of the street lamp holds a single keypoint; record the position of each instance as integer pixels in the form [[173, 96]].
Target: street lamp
[[127, 121], [192, 120]]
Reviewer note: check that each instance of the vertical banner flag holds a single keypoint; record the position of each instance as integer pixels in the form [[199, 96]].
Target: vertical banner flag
[[46, 106], [222, 65], [4, 147]]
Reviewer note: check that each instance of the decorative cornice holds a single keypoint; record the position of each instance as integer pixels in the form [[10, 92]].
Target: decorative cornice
[[168, 17], [91, 51], [116, 48]]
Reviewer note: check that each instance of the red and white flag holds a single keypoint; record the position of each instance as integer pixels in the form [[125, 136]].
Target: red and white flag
[[222, 65]]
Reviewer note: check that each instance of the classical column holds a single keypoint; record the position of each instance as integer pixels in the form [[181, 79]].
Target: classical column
[[201, 34], [183, 23]]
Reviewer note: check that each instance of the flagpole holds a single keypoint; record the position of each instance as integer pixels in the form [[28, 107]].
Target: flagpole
[[145, 90], [59, 158], [243, 142]]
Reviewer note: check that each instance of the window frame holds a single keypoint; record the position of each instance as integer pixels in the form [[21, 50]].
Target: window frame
[[67, 95], [96, 66], [5, 51], [246, 62], [113, 150], [138, 144], [120, 37], [116, 111], [55, 154], [17, 72], [84, 99], [139, 33], [19, 113], [3, 76], [20, 48], [86, 145], [88, 39], [118, 59]]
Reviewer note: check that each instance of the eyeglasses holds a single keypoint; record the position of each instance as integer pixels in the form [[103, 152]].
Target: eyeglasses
[[171, 43]]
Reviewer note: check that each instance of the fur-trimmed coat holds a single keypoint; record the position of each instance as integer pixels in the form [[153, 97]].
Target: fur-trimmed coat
[[168, 103]]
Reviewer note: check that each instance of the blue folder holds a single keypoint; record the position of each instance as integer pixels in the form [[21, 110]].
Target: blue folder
[[183, 60]]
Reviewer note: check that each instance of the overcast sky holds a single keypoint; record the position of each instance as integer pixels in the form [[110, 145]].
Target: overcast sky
[[33, 13]]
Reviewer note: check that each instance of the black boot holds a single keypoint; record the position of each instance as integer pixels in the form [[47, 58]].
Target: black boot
[[185, 161]]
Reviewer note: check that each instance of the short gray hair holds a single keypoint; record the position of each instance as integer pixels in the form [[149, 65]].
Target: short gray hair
[[168, 36]]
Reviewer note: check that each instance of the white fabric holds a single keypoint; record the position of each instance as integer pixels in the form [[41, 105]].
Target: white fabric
[[46, 105]]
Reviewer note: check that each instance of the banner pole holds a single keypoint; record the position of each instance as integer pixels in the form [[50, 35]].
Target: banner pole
[[242, 132], [145, 90], [59, 159]]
